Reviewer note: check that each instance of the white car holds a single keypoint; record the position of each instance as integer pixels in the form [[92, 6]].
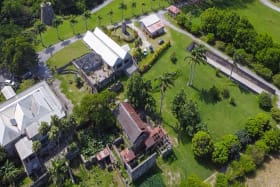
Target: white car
[[145, 52]]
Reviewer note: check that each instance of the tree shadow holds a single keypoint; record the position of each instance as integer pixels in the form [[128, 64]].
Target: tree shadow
[[170, 158], [151, 178], [49, 50], [206, 96], [65, 43]]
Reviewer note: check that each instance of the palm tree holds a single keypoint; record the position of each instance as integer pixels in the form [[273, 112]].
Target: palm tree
[[111, 14], [86, 16], [53, 134], [198, 55], [165, 81], [36, 146], [44, 128], [99, 20], [9, 173], [133, 6], [58, 171], [40, 28], [123, 7], [143, 5], [56, 22], [234, 66], [73, 21]]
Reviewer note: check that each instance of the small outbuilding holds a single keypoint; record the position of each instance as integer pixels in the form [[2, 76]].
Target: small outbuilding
[[152, 25], [173, 11]]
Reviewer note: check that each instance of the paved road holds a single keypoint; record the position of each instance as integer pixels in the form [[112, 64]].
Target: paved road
[[270, 5], [224, 69]]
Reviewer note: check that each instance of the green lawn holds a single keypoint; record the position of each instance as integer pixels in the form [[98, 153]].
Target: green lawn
[[61, 58], [67, 54], [221, 117], [266, 22], [275, 3], [65, 30]]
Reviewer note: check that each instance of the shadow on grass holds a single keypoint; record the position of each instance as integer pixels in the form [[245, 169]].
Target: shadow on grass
[[151, 178], [207, 97]]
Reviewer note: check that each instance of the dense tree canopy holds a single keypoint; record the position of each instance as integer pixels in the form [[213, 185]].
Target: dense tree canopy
[[202, 144], [256, 126], [95, 110], [220, 154]]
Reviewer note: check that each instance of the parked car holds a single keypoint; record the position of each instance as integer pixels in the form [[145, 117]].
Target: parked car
[[145, 52], [160, 42], [9, 83]]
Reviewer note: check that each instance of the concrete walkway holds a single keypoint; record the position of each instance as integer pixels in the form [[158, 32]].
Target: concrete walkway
[[270, 5]]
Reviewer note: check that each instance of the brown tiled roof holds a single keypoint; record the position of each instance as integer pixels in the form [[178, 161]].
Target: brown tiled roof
[[130, 121], [174, 9], [156, 26], [128, 155], [156, 134], [103, 154]]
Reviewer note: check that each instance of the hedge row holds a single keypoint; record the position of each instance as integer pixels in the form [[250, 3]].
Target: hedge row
[[147, 63]]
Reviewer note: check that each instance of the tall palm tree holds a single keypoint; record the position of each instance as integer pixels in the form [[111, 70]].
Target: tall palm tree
[[53, 134], [56, 22], [86, 16], [58, 171], [36, 146], [133, 6], [44, 128], [122, 6], [111, 14], [73, 21], [198, 55], [234, 66], [99, 20], [40, 28], [143, 5], [165, 81]]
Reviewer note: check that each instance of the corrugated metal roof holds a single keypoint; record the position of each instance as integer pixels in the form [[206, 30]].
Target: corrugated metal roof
[[150, 20]]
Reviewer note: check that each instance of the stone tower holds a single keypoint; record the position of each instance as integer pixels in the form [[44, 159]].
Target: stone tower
[[47, 13]]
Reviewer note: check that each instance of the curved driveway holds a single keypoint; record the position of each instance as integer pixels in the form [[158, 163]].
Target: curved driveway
[[270, 5]]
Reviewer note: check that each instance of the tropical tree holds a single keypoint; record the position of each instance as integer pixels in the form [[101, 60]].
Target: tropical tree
[[56, 22], [143, 5], [44, 128], [202, 144], [73, 21], [40, 28], [9, 173], [53, 134], [234, 66], [122, 6], [36, 146], [3, 154], [111, 14], [220, 154], [99, 19], [58, 172], [198, 55], [272, 139], [133, 6], [165, 81], [86, 16]]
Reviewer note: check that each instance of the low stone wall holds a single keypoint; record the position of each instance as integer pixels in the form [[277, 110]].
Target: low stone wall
[[142, 168]]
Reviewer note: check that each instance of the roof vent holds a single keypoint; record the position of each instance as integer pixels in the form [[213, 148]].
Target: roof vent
[[13, 122]]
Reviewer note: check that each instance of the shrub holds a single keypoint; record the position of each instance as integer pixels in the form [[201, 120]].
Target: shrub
[[275, 113], [79, 82], [233, 145], [265, 101], [229, 49], [147, 64], [263, 71], [72, 147], [232, 101], [218, 72], [214, 93], [221, 45], [202, 144], [173, 58], [257, 153], [195, 181], [257, 125], [276, 80], [243, 137], [210, 38], [272, 139], [221, 180], [220, 154], [195, 29], [225, 93]]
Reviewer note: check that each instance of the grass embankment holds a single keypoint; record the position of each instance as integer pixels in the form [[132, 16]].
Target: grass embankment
[[221, 117], [67, 84], [65, 30]]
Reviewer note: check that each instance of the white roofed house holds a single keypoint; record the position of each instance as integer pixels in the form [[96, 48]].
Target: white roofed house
[[152, 25], [20, 118]]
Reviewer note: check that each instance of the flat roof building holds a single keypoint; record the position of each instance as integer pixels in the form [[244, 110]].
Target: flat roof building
[[152, 25]]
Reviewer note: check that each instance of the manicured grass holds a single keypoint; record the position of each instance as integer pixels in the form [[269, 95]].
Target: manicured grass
[[276, 3], [221, 118], [67, 54], [63, 57], [65, 30], [268, 22]]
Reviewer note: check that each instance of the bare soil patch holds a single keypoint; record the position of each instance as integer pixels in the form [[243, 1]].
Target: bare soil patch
[[267, 175]]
